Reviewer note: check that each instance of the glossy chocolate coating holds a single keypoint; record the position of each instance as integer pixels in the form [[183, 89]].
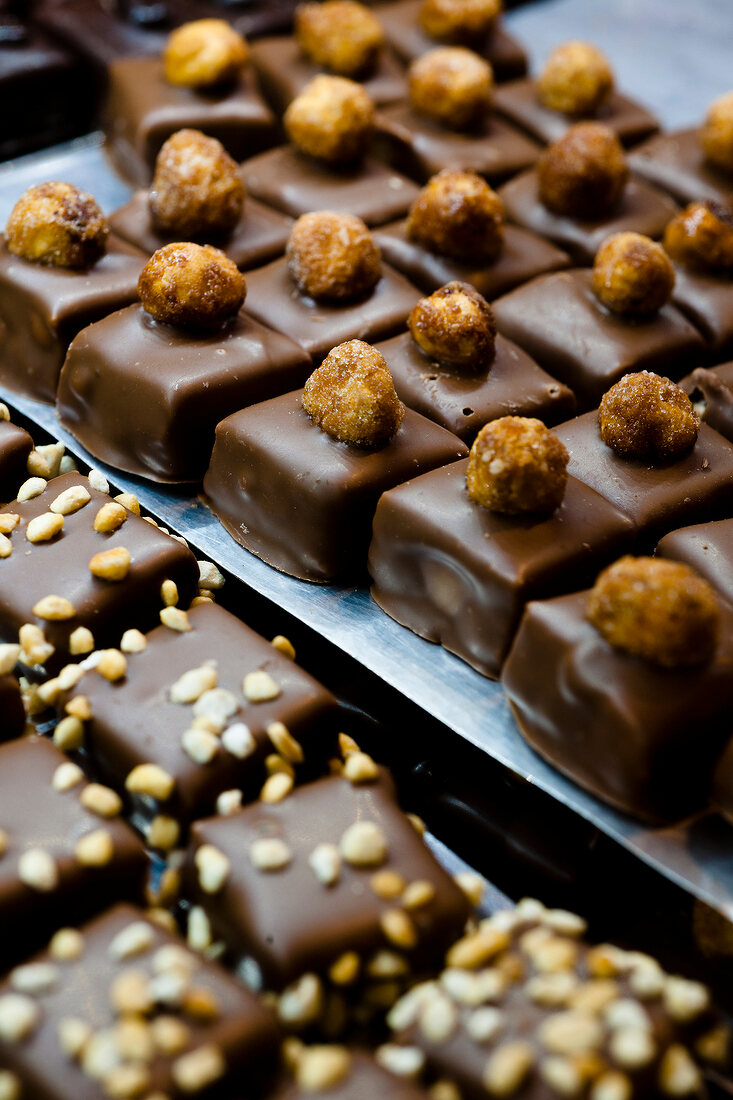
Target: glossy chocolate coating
[[707, 300], [302, 501], [146, 397], [289, 921], [722, 797], [511, 385], [365, 1080], [559, 321], [15, 446], [711, 391], [34, 815], [12, 715], [243, 1030], [102, 32], [523, 256], [642, 209], [273, 298], [61, 567], [134, 722], [458, 574], [639, 736], [676, 163], [42, 309], [708, 548]]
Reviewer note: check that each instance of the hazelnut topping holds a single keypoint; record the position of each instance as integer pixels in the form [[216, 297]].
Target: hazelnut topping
[[190, 285], [632, 275], [459, 21], [517, 465], [332, 119], [57, 224], [197, 190], [332, 257], [455, 326], [203, 54], [452, 86], [458, 215], [351, 396], [701, 236], [576, 79], [342, 36], [716, 135], [583, 174], [656, 609], [648, 417]]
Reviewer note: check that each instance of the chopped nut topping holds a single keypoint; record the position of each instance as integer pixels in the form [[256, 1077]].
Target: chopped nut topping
[[438, 1018], [81, 641], [73, 1034], [322, 1068], [561, 1075], [100, 800], [34, 978], [6, 546], [43, 528], [213, 868], [571, 1033], [210, 576], [112, 665], [66, 945], [169, 593], [19, 1017], [110, 517], [35, 650], [259, 687], [96, 849], [270, 854], [112, 564], [8, 522], [163, 832], [192, 684], [360, 768], [399, 929], [170, 1035], [632, 1048], [133, 641], [202, 1067], [9, 655], [200, 745], [473, 886], [79, 707], [685, 1000], [678, 1074], [284, 645], [302, 1002], [67, 776], [403, 1061], [346, 969], [175, 619], [198, 930], [277, 787], [507, 1068], [31, 488], [364, 844], [285, 743], [54, 609], [388, 885], [239, 741], [418, 894], [485, 1023], [325, 862], [127, 500], [71, 500], [229, 802], [151, 780], [477, 948], [37, 869]]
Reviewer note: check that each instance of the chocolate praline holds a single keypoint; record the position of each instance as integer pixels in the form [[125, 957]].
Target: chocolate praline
[[711, 391], [677, 164], [15, 446], [708, 549], [706, 299]]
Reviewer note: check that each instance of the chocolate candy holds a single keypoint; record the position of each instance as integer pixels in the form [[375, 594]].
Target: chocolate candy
[[706, 300], [676, 163], [722, 796], [708, 548], [146, 397], [15, 446], [12, 714], [711, 391], [559, 321], [344, 1074], [300, 500]]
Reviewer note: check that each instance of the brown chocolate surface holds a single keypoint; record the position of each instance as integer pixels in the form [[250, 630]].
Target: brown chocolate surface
[[146, 397], [676, 163], [43, 308], [708, 302], [708, 548], [643, 209], [302, 501], [458, 574], [365, 1080], [15, 446], [559, 321], [722, 796], [512, 384], [711, 391], [12, 715]]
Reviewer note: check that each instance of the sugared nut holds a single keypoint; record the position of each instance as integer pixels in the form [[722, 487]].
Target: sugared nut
[[351, 396], [632, 275], [459, 20], [716, 135], [658, 610], [451, 85], [701, 236], [583, 173], [192, 286], [517, 465], [455, 326], [576, 80], [333, 257], [339, 35], [57, 224], [204, 53], [332, 119], [648, 417], [458, 215], [197, 191]]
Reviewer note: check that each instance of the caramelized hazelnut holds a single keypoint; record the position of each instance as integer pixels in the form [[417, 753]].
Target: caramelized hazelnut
[[632, 275], [517, 465], [716, 134], [333, 256], [352, 396], [648, 417], [191, 285], [455, 326], [701, 235], [332, 119], [656, 609], [576, 79], [197, 190], [204, 53], [583, 173], [458, 215], [451, 85], [57, 224], [460, 21], [342, 36]]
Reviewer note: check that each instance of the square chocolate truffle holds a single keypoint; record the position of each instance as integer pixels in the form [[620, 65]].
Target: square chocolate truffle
[[146, 397], [711, 391], [707, 300], [299, 892], [42, 309], [55, 536], [66, 853], [12, 714], [351, 1075], [458, 574], [15, 446], [127, 1009], [558, 320], [676, 163], [708, 549], [304, 501]]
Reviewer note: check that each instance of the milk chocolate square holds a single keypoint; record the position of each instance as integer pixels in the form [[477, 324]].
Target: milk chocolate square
[[706, 299], [460, 575], [559, 321], [511, 385], [676, 163], [15, 446], [642, 209], [12, 714], [42, 309], [711, 391], [303, 501], [146, 397], [364, 1078], [708, 548]]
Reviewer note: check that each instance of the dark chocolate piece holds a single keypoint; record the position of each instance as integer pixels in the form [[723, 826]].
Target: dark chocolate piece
[[146, 397], [711, 391], [722, 797], [15, 446], [103, 33], [707, 300], [558, 320], [676, 163], [364, 1079], [302, 501], [458, 574], [708, 548], [12, 714]]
